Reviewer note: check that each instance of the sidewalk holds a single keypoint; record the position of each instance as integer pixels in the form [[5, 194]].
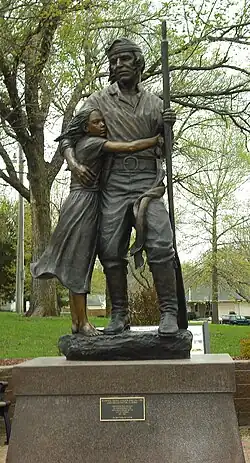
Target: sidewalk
[[3, 452], [245, 434]]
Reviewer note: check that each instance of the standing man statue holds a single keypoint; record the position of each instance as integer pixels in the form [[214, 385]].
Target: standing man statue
[[131, 112]]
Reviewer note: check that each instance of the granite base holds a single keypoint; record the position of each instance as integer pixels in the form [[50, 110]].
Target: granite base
[[190, 415]]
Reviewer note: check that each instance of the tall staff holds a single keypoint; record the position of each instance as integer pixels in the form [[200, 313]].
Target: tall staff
[[167, 127], [20, 241], [182, 312]]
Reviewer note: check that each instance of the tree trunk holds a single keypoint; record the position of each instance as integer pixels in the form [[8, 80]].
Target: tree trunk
[[215, 317], [43, 292]]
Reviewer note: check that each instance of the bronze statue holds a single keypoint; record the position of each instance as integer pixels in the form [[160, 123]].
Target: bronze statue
[[71, 253], [130, 113]]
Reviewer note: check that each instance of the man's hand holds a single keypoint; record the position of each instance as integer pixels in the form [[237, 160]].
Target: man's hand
[[160, 141], [85, 175], [169, 116]]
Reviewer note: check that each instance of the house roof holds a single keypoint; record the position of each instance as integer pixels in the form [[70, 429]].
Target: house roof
[[203, 293]]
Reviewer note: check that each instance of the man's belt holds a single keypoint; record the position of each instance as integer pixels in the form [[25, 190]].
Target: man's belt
[[131, 163]]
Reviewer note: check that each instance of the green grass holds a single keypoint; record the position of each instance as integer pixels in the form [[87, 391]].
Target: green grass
[[226, 338], [22, 337]]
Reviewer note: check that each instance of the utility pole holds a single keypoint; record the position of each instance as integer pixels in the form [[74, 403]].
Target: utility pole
[[20, 241]]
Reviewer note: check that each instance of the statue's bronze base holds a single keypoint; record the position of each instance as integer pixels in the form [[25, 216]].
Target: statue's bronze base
[[130, 345]]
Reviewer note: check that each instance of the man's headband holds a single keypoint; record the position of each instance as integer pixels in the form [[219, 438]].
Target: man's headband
[[120, 46]]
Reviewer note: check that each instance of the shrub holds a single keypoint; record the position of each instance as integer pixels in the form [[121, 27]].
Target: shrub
[[144, 307], [245, 349]]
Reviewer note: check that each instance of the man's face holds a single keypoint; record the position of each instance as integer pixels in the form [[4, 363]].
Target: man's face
[[122, 67]]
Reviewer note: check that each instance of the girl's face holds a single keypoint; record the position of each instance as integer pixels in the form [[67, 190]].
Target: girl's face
[[96, 125]]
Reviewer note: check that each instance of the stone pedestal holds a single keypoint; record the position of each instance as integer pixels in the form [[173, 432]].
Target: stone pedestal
[[189, 412]]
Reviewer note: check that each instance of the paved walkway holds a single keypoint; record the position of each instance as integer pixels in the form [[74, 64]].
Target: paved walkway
[[245, 442], [3, 452]]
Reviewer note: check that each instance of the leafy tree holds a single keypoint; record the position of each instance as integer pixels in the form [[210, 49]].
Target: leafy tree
[[52, 56], [221, 164], [234, 261], [8, 214], [233, 267], [8, 245]]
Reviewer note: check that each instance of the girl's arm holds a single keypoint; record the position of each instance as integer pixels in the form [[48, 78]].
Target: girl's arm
[[130, 146], [83, 173]]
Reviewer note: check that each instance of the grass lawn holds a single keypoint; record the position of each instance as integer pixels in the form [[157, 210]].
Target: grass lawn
[[226, 338], [22, 337]]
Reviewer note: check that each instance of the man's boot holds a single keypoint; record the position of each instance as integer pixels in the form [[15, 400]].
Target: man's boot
[[165, 284], [117, 285]]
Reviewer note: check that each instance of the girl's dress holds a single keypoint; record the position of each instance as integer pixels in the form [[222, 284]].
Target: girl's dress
[[71, 252]]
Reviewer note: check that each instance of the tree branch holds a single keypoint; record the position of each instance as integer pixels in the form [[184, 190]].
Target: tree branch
[[8, 163], [76, 96], [240, 221], [36, 55], [15, 183], [146, 284], [224, 92], [11, 111], [57, 160], [220, 112], [12, 178]]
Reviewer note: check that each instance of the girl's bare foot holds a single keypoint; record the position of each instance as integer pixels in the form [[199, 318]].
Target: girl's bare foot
[[89, 330], [74, 328]]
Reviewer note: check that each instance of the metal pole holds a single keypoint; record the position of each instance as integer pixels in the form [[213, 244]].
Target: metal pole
[[206, 338], [20, 241], [167, 128], [182, 313]]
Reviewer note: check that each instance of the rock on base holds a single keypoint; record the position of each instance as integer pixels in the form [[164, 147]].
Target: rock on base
[[130, 345]]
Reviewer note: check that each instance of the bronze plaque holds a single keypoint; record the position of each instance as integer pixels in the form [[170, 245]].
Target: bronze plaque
[[122, 409]]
